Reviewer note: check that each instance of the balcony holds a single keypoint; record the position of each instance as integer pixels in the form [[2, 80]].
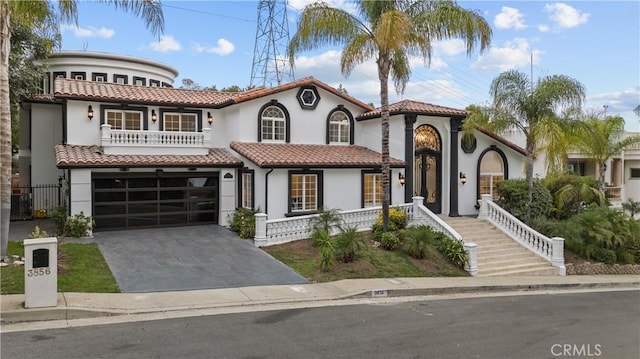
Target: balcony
[[155, 142]]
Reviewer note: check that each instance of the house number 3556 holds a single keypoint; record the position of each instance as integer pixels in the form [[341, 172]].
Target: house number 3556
[[38, 272]]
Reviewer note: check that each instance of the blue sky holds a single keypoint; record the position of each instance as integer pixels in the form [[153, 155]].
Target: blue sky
[[212, 43]]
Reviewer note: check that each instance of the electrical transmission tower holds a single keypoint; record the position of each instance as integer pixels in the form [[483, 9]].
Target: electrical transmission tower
[[271, 66]]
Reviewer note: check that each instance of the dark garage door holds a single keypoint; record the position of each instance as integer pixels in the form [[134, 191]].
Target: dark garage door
[[149, 200]]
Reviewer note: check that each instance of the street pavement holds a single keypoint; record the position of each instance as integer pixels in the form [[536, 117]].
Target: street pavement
[[80, 308]]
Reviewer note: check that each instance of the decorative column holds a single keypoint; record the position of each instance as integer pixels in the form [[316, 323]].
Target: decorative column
[[207, 139], [409, 121], [557, 254], [106, 134], [260, 238], [484, 206], [456, 123], [417, 202], [472, 256]]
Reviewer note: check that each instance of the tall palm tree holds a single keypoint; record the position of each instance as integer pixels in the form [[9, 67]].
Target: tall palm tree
[[532, 108], [389, 32], [600, 139], [31, 13]]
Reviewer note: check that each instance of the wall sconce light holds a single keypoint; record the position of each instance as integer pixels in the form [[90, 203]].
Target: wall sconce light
[[463, 178], [90, 112], [154, 116], [401, 178], [209, 118]]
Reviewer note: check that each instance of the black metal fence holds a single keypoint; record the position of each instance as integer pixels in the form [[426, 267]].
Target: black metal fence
[[37, 201]]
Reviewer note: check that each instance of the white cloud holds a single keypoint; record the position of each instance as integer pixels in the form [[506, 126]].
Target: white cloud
[[345, 5], [449, 47], [225, 47], [566, 16], [509, 18], [513, 54], [90, 31], [166, 44], [618, 101], [543, 28]]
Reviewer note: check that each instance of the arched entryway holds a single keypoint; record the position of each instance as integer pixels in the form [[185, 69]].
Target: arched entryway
[[427, 166]]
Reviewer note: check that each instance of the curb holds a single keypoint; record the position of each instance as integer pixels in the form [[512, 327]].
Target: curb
[[70, 313]]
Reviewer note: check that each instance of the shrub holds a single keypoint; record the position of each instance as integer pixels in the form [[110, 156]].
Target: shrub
[[417, 241], [397, 219], [572, 193], [59, 216], [348, 243], [603, 255], [327, 247], [513, 197], [453, 250], [389, 241], [78, 225], [631, 206], [325, 221], [244, 222]]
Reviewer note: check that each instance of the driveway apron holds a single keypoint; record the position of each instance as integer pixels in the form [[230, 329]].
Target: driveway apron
[[187, 258]]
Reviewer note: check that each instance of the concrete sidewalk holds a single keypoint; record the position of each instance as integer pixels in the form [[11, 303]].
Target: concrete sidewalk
[[91, 305]]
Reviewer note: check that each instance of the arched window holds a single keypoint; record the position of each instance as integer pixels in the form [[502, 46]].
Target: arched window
[[273, 124], [427, 138], [339, 129], [492, 170]]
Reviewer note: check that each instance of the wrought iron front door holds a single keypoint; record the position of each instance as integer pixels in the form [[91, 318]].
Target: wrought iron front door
[[427, 167]]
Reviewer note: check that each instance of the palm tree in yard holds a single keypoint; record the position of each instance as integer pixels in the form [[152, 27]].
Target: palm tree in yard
[[532, 108], [388, 32], [32, 13], [600, 139]]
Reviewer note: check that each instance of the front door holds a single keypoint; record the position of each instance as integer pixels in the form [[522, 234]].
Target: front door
[[428, 167]]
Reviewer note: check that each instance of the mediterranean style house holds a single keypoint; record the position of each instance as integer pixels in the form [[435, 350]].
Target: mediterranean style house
[[132, 151]]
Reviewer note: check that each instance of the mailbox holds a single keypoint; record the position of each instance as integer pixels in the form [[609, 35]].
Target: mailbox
[[41, 272]]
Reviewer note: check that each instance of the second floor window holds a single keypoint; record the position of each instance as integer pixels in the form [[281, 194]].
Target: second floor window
[[183, 122], [339, 128], [273, 124], [124, 120]]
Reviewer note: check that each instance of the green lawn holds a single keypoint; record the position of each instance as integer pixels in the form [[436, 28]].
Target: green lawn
[[371, 262], [81, 269]]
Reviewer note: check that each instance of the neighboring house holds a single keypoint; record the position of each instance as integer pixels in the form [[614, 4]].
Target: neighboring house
[[135, 152], [622, 171]]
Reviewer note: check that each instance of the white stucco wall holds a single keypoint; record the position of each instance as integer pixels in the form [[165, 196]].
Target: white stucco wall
[[631, 185], [46, 124], [228, 192], [81, 192]]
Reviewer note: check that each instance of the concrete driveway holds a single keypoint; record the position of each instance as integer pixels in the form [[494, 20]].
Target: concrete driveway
[[186, 258]]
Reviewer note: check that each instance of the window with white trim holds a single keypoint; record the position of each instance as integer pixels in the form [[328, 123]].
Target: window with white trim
[[247, 189], [491, 172], [273, 124], [372, 189], [124, 120], [339, 128], [183, 122], [304, 192]]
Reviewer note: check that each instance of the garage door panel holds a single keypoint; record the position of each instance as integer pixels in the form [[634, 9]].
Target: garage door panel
[[128, 200]]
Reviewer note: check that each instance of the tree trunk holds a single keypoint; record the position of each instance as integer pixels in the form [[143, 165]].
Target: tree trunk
[[531, 149], [602, 169], [383, 74], [5, 129]]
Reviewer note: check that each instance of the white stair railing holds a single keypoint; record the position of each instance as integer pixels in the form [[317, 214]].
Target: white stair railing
[[422, 215], [551, 249]]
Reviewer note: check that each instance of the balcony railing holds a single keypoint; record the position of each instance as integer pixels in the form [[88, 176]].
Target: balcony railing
[[112, 137]]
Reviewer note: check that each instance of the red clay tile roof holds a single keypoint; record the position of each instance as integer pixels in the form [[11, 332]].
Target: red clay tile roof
[[303, 155], [260, 92], [92, 156], [41, 98], [108, 92], [414, 107]]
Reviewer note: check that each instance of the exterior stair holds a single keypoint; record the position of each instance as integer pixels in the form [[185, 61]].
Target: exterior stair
[[498, 254]]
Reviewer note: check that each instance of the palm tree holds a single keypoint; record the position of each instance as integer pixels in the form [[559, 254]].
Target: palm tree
[[531, 108], [600, 139], [31, 13], [389, 32]]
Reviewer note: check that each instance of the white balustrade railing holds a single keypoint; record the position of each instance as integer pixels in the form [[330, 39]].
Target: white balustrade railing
[[155, 138], [278, 231], [551, 249], [423, 216]]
